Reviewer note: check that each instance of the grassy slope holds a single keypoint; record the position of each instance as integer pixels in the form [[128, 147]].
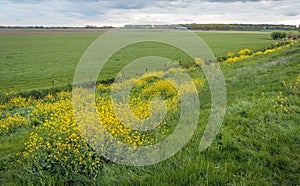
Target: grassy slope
[[31, 61], [223, 42], [255, 146]]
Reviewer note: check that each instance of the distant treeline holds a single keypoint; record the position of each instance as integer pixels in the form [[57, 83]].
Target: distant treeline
[[239, 27]]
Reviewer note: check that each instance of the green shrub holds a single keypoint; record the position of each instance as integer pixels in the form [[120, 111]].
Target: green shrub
[[278, 35]]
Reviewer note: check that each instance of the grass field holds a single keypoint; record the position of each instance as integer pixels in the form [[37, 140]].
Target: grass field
[[258, 143], [223, 42], [31, 61]]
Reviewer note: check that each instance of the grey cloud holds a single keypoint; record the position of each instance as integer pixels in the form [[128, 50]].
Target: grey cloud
[[25, 1], [231, 1], [121, 12], [291, 14], [128, 4]]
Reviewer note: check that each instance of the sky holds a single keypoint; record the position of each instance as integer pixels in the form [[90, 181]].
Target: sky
[[122, 12]]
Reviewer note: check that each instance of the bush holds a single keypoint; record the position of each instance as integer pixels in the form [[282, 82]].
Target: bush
[[278, 35], [293, 35]]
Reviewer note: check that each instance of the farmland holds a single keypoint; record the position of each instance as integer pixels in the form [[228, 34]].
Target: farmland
[[32, 61], [258, 143]]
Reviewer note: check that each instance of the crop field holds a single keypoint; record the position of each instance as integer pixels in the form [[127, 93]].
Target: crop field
[[44, 142]]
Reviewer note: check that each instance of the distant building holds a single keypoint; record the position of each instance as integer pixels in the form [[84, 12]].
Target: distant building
[[138, 26], [181, 27], [90, 26]]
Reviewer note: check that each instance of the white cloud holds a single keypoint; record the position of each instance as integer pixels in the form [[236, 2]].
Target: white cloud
[[120, 12]]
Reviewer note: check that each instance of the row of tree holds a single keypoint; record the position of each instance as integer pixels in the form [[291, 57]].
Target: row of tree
[[239, 27], [285, 35]]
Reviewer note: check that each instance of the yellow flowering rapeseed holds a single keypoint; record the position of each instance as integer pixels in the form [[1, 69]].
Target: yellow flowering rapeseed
[[280, 102], [293, 87], [58, 141], [247, 53]]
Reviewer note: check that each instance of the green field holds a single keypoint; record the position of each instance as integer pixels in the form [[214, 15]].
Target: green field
[[223, 42], [32, 61], [256, 145]]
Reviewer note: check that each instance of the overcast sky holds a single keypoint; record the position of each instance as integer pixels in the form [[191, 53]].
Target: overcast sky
[[121, 12]]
